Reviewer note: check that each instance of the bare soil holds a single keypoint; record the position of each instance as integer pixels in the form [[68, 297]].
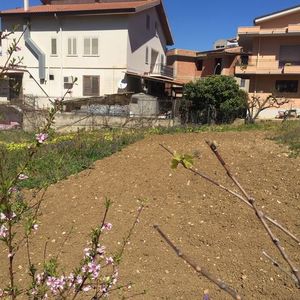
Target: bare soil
[[218, 231]]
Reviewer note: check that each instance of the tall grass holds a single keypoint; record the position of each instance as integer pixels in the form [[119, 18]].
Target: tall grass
[[289, 134]]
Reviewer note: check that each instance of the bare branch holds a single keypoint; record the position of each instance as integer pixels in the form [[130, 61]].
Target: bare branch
[[201, 271], [258, 212]]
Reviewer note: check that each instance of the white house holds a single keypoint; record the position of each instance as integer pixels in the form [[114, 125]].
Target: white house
[[105, 44]]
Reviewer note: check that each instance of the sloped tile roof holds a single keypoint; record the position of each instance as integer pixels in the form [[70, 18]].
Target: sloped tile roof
[[129, 7]]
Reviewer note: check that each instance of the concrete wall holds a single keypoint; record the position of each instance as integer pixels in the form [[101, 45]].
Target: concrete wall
[[68, 122]]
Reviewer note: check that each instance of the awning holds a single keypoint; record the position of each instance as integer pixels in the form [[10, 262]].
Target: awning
[[158, 79]]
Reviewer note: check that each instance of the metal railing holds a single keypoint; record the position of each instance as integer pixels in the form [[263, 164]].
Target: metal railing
[[163, 70]]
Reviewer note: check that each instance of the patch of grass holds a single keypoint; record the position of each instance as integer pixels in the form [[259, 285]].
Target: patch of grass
[[67, 154], [15, 136], [56, 161], [289, 134]]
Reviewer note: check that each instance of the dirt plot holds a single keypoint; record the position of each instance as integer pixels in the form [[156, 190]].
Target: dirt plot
[[219, 232]]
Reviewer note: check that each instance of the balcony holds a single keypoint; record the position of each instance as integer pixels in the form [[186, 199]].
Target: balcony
[[291, 67], [258, 31], [162, 70], [256, 65], [249, 30]]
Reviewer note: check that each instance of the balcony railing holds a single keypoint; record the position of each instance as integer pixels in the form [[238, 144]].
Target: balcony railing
[[162, 70], [267, 66], [257, 30]]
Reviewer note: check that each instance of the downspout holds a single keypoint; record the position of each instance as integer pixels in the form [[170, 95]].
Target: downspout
[[36, 51]]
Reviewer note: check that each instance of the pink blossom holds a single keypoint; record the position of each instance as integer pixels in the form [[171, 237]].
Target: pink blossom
[[107, 226], [23, 177], [1, 293], [3, 232], [100, 250], [41, 137], [13, 190], [87, 252], [86, 288], [2, 217], [109, 260], [39, 278], [9, 216], [56, 284]]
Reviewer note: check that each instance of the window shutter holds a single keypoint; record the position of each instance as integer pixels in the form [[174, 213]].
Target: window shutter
[[91, 85], [95, 86], [74, 46], [69, 46], [87, 46], [94, 46], [54, 46], [147, 55]]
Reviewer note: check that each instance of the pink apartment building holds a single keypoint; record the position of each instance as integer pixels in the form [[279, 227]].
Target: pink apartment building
[[272, 62]]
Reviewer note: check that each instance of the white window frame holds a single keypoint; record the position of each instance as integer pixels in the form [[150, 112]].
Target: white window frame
[[72, 39], [91, 38], [51, 48]]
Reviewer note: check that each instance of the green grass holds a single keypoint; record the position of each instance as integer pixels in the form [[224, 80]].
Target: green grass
[[56, 161], [71, 153], [289, 134]]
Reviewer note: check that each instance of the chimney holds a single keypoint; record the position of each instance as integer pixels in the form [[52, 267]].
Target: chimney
[[26, 5]]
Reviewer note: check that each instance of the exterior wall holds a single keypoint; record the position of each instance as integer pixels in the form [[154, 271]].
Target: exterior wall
[[264, 66], [110, 64], [184, 64], [282, 21], [139, 38], [264, 85], [266, 51], [186, 69]]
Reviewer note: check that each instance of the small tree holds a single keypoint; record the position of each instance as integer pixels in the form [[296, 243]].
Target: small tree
[[255, 105], [214, 99]]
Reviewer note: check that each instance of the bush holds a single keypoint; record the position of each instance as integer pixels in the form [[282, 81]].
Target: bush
[[215, 99]]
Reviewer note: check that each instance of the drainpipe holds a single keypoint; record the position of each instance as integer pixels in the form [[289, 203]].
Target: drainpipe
[[36, 51]]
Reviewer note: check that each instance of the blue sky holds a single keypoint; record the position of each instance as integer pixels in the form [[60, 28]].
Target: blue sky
[[196, 24]]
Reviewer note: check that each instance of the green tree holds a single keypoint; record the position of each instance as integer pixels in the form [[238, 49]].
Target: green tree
[[215, 99]]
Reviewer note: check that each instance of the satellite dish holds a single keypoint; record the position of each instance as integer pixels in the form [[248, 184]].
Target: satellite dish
[[122, 85]]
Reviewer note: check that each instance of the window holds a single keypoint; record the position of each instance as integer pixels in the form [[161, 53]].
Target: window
[[162, 59], [91, 85], [148, 22], [68, 82], [156, 28], [289, 54], [147, 56], [242, 83], [72, 46], [54, 46], [91, 46], [286, 86], [51, 77], [199, 65]]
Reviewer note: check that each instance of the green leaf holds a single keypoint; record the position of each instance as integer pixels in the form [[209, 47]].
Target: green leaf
[[174, 163]]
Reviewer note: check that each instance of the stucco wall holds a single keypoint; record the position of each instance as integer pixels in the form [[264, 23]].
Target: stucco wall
[[110, 64], [282, 21], [140, 37]]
